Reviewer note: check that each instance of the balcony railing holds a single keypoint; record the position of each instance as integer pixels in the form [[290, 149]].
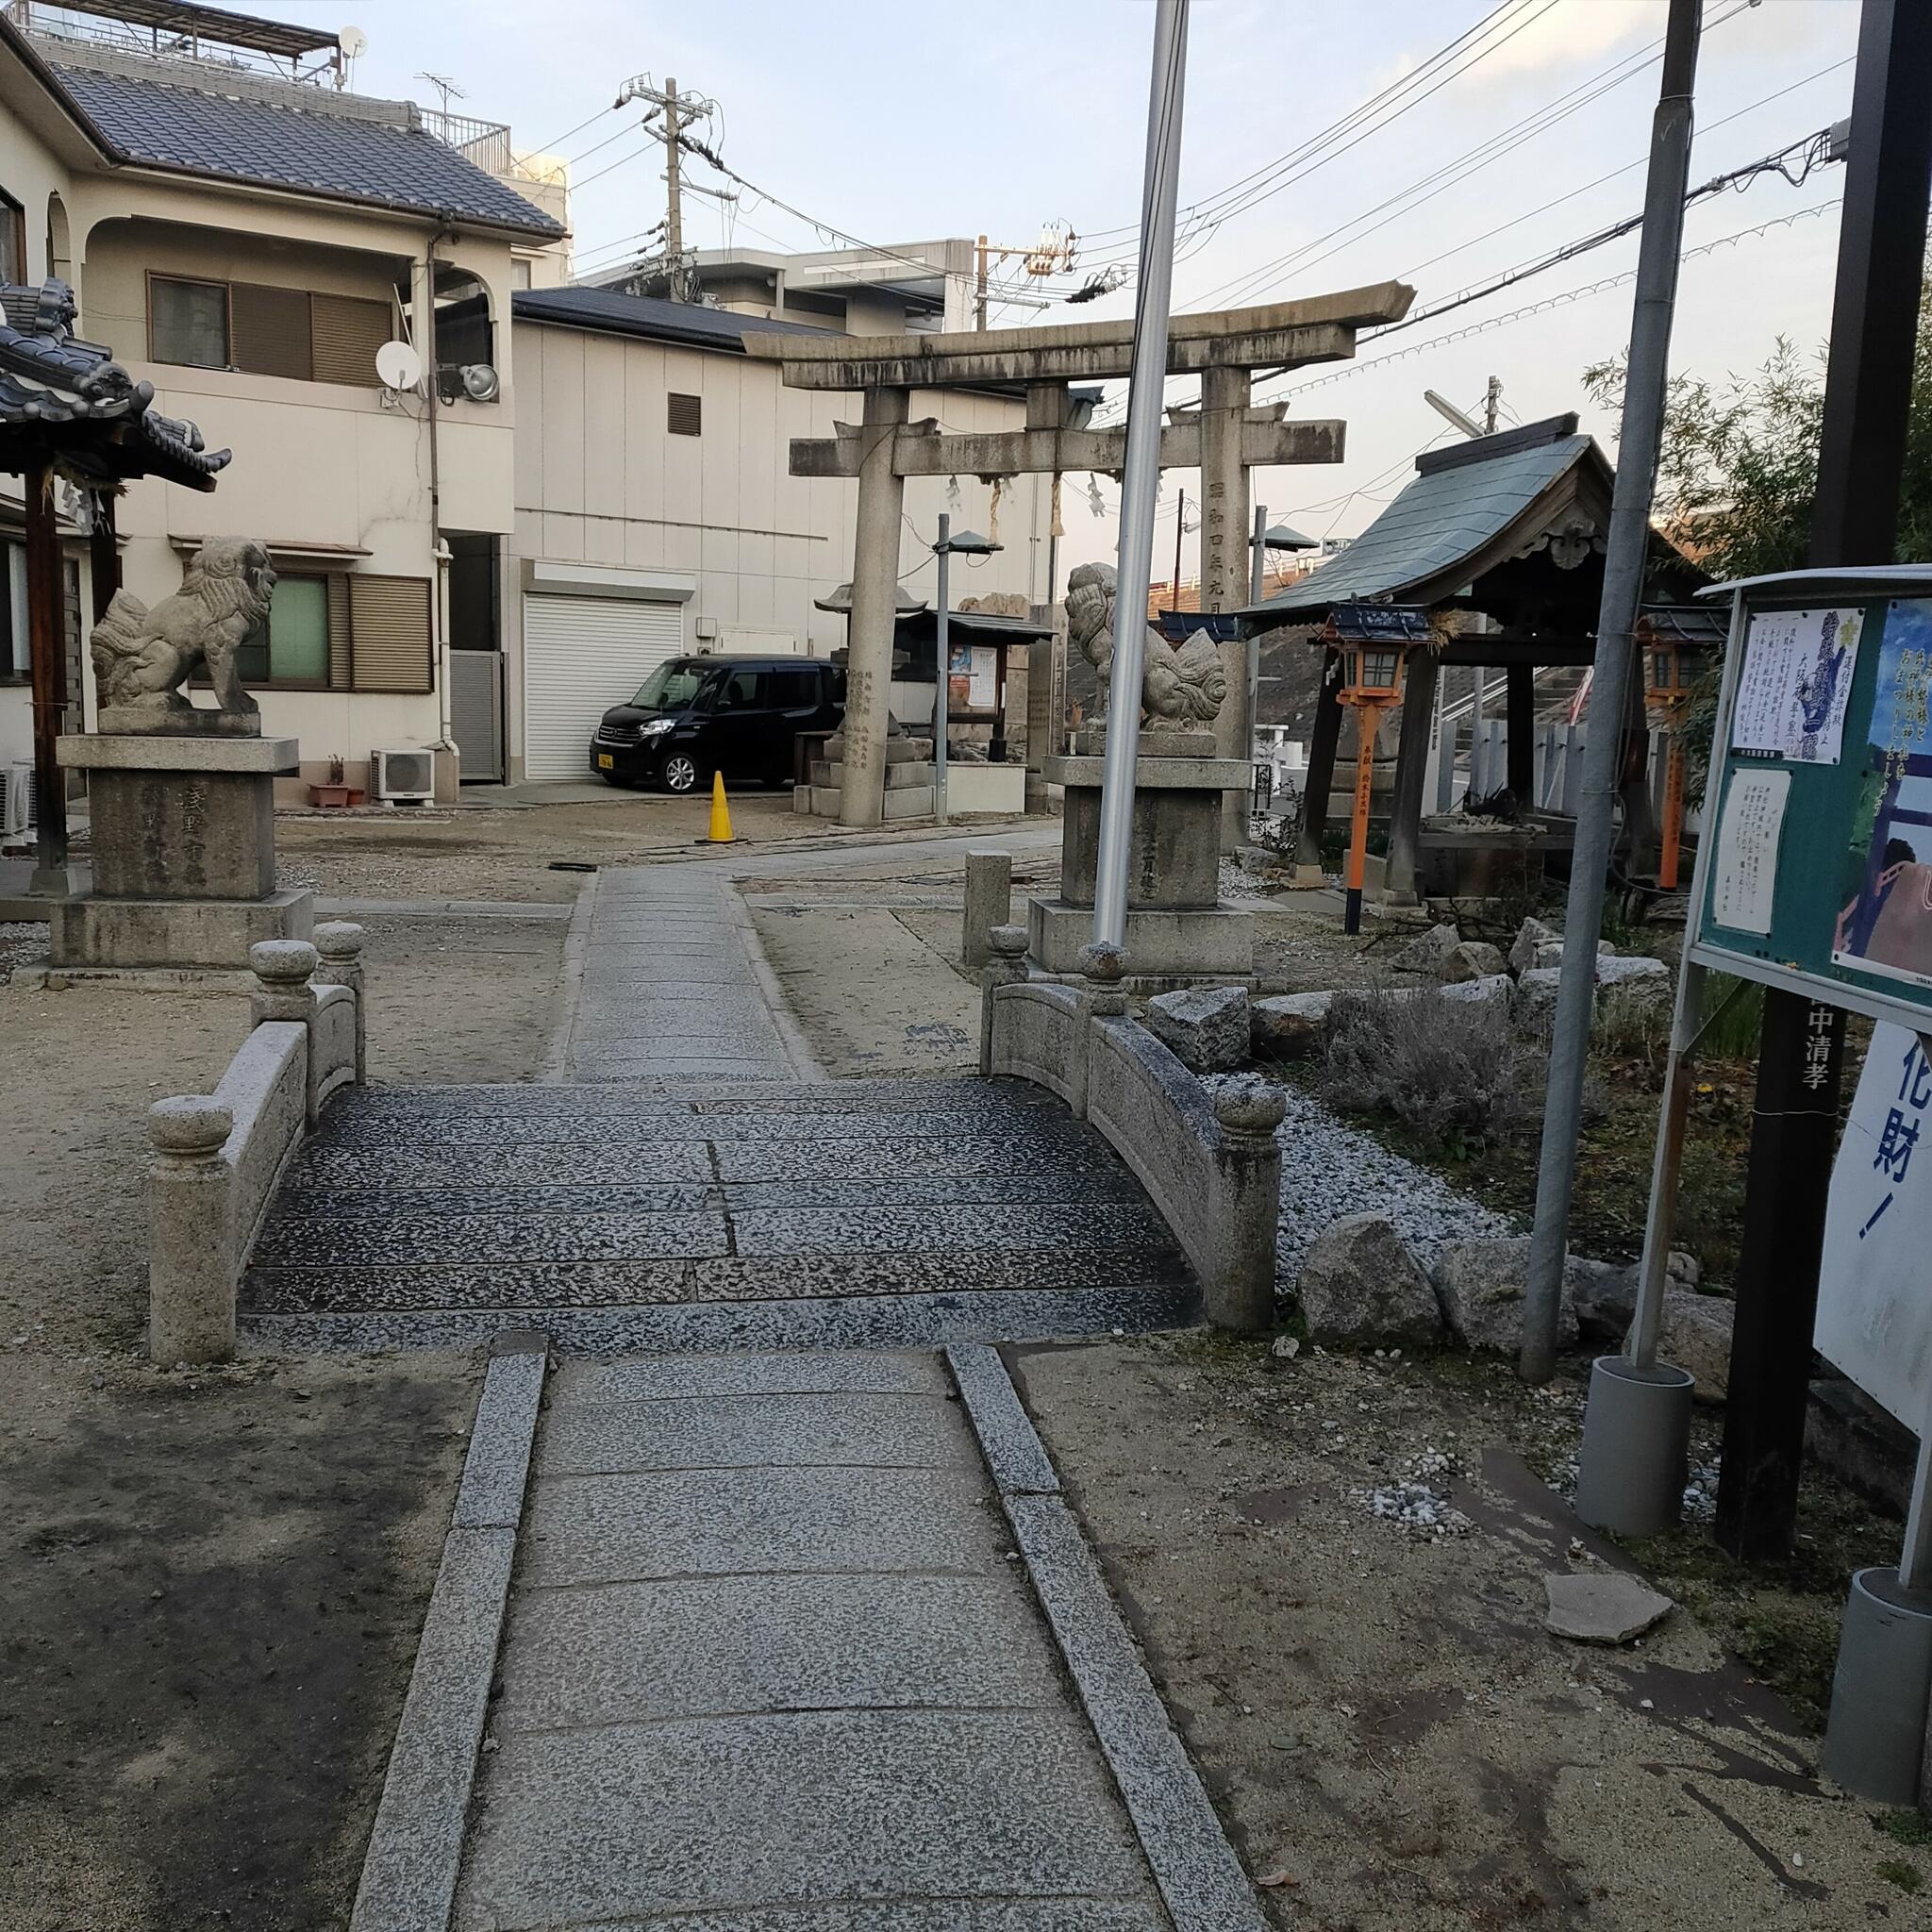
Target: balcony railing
[[486, 143]]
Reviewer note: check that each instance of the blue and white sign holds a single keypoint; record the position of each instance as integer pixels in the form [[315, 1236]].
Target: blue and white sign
[[1874, 1300]]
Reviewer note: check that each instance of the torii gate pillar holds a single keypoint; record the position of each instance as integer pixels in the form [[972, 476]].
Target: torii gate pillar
[[1224, 583], [874, 607]]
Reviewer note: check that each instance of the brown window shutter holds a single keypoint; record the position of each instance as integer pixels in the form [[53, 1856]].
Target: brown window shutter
[[684, 415], [340, 659], [268, 331], [389, 618], [348, 331]]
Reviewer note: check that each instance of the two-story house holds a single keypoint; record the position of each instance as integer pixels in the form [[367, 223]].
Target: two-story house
[[249, 240]]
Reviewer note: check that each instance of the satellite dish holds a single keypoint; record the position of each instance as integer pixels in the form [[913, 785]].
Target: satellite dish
[[398, 365], [353, 41], [480, 382]]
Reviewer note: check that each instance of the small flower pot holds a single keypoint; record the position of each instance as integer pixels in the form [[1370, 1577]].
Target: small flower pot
[[326, 795]]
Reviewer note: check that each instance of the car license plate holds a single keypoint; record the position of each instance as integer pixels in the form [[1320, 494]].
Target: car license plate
[[605, 762]]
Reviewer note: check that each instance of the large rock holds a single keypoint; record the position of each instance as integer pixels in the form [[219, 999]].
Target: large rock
[[1481, 1286], [1634, 973], [1473, 960], [1360, 1285], [1479, 993], [1696, 1335], [1288, 1025], [1530, 935], [1606, 1297], [1207, 1026], [1428, 954]]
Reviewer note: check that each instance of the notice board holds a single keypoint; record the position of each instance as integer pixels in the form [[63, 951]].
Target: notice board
[[1820, 872]]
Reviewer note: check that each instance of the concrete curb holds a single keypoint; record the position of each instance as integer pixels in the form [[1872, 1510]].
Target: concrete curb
[[555, 1069], [1201, 1879], [804, 1063], [415, 1850]]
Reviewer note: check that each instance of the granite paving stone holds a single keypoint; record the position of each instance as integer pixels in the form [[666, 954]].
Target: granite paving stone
[[1058, 1268], [724, 1522], [875, 1371], [847, 1429], [966, 1232], [917, 1915], [810, 1805], [473, 1237], [579, 1164], [402, 1288], [369, 1204], [707, 1646]]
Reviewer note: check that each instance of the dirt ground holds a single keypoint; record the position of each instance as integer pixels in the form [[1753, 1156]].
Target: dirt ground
[[481, 852], [214, 1581], [1383, 1723]]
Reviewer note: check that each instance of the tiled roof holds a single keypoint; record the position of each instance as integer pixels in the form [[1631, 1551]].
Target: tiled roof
[[159, 125], [649, 316], [69, 399], [1449, 513]]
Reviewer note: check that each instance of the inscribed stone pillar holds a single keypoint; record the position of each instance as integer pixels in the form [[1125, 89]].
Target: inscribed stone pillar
[[1411, 768], [875, 606], [1225, 394]]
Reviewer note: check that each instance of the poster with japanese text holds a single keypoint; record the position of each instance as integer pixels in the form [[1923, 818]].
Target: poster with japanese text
[[1885, 922], [1795, 682], [1874, 1299]]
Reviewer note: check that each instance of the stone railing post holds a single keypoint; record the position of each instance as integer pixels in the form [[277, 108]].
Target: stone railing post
[[1007, 967], [283, 969], [1247, 1208], [1102, 966], [190, 1232], [339, 942], [989, 903]]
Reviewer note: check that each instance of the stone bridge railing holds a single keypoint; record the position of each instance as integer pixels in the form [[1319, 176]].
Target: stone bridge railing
[[1207, 1158], [217, 1156]]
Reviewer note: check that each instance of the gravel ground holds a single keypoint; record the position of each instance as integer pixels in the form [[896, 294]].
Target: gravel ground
[[1330, 1169]]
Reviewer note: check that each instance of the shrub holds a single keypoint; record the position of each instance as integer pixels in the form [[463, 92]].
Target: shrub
[[1455, 1073]]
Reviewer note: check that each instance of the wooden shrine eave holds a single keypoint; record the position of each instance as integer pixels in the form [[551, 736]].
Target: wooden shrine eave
[[1276, 335], [919, 450]]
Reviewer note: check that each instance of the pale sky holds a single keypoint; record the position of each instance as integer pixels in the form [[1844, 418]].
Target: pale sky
[[896, 122]]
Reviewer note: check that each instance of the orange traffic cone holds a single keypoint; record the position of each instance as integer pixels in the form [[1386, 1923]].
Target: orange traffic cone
[[721, 812]]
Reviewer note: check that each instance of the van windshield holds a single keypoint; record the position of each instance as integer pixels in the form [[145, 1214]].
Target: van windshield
[[669, 687]]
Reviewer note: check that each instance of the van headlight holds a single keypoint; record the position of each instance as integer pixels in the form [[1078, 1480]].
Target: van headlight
[[656, 729]]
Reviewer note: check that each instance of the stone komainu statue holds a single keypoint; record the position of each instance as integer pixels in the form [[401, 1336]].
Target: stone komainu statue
[[142, 657], [1180, 690]]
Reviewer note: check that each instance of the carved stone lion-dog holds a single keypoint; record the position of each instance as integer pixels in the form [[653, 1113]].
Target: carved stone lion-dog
[[141, 657]]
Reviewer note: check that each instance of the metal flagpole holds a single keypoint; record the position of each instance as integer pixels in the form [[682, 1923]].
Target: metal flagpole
[[1135, 558], [1644, 394], [941, 704]]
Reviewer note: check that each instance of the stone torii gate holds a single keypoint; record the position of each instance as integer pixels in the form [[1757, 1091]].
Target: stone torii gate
[[1223, 441]]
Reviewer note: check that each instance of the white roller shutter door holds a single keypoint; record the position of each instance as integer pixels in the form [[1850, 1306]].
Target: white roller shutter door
[[581, 655]]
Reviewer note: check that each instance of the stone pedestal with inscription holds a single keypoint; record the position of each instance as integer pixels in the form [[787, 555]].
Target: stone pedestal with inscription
[[183, 851]]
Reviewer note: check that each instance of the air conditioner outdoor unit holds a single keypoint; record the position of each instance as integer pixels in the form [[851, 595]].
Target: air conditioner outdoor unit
[[17, 807], [405, 777]]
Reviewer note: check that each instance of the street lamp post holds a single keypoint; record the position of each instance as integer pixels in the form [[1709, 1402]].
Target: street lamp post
[[967, 544]]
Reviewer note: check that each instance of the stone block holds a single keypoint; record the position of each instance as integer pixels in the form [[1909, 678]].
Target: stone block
[[214, 934], [1360, 1285], [1472, 959], [1480, 992], [1695, 1334], [1288, 1025], [1430, 953], [1206, 1027], [1481, 1284], [1173, 852], [1530, 936], [913, 801], [182, 835], [1634, 972], [1597, 1606], [1213, 942], [989, 903]]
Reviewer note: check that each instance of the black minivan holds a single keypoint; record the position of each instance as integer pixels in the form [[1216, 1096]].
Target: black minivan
[[695, 716]]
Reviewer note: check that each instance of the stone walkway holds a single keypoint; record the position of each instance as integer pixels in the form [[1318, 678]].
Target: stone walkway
[[768, 1665]]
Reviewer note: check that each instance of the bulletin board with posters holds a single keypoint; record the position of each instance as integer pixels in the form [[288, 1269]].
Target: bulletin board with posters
[[1818, 805]]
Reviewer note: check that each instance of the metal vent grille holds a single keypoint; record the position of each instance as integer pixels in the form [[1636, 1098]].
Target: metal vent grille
[[684, 415]]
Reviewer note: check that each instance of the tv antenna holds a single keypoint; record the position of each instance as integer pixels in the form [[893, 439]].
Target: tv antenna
[[445, 87]]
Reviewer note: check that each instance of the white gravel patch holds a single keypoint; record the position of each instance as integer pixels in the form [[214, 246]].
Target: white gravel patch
[[1330, 1169]]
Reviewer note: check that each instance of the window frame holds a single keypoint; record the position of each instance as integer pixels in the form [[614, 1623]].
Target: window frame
[[274, 683], [13, 221], [227, 364], [227, 285]]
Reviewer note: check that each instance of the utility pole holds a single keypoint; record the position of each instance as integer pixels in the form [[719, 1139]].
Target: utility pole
[[1875, 318], [981, 281], [1141, 469], [677, 112], [1645, 390]]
